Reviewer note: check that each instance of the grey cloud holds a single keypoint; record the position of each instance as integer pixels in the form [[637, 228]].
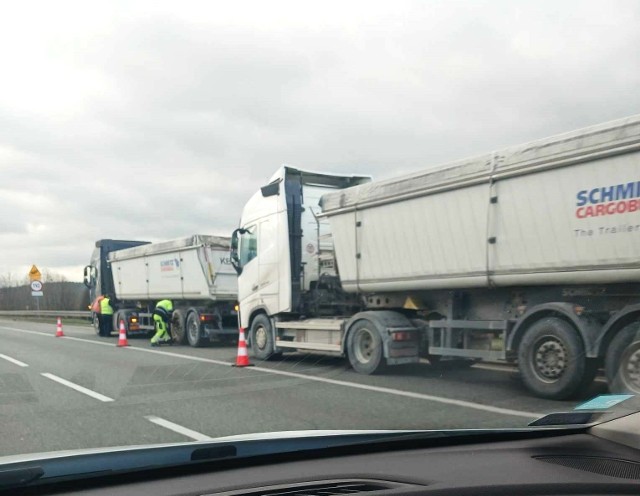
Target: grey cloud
[[187, 119]]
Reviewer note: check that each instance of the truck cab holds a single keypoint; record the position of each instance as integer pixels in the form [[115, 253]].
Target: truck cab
[[283, 250], [98, 277]]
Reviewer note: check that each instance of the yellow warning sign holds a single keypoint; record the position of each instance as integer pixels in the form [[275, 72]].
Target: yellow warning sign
[[34, 274]]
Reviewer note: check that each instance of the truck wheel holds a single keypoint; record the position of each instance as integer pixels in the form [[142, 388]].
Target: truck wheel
[[622, 363], [551, 359], [364, 347], [194, 332], [178, 325], [262, 340]]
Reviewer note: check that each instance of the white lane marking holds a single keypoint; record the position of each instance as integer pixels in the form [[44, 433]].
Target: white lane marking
[[77, 387], [112, 344], [177, 428], [67, 338], [28, 331], [13, 360], [366, 387], [409, 394], [335, 382]]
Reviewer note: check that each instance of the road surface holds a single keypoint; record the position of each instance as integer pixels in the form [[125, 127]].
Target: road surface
[[82, 391]]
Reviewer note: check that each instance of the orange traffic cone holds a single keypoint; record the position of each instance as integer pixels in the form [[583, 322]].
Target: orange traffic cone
[[59, 333], [242, 360], [122, 335]]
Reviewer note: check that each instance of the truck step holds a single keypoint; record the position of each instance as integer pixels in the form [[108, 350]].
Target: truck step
[[313, 325], [309, 346], [468, 353]]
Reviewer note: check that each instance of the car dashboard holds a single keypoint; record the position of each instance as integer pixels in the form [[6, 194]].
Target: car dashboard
[[601, 460]]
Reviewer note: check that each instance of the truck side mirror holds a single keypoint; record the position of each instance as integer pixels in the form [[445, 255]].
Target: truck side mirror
[[235, 247], [89, 276]]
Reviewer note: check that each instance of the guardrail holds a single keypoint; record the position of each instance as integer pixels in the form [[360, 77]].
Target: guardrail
[[46, 313]]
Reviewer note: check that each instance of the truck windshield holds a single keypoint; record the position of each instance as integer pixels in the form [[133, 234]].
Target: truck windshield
[[248, 245]]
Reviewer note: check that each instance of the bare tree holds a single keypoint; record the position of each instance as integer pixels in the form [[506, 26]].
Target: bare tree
[[59, 293]]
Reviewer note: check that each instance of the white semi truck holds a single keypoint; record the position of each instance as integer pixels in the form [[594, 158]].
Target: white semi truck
[[529, 254], [195, 273]]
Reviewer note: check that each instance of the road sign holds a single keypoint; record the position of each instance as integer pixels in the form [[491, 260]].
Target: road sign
[[34, 274], [36, 288]]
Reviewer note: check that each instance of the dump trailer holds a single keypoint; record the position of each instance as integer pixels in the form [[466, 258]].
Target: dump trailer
[[195, 273], [529, 254]]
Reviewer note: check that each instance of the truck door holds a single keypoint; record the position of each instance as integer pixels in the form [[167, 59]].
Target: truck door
[[268, 264], [256, 260], [247, 260]]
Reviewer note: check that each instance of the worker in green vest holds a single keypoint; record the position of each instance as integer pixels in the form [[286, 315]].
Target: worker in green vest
[[161, 319], [105, 317]]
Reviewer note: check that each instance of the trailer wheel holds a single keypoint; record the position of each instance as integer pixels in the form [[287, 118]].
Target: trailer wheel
[[178, 326], [364, 347], [622, 363], [262, 339], [552, 361], [193, 330]]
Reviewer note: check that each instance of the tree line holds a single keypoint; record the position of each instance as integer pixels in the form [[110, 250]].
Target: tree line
[[58, 293]]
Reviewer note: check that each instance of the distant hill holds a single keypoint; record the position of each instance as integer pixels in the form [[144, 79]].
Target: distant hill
[[57, 296]]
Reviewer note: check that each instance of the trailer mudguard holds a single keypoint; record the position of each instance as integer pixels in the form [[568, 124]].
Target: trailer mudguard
[[383, 320], [587, 329], [616, 322]]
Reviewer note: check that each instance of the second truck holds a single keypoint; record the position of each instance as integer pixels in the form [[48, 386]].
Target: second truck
[[530, 255], [195, 273]]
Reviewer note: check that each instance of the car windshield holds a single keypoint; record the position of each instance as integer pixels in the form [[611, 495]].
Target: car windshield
[[230, 218]]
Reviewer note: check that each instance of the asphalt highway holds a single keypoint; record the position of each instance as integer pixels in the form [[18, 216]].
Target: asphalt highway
[[82, 391]]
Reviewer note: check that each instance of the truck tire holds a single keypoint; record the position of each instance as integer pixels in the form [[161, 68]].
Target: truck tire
[[262, 340], [178, 326], [194, 330], [364, 348], [622, 362], [551, 360]]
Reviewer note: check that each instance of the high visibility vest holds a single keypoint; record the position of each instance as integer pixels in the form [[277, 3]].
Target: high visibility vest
[[105, 307], [95, 306]]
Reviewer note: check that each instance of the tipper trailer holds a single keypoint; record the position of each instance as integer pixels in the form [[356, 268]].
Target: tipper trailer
[[528, 254], [195, 273]]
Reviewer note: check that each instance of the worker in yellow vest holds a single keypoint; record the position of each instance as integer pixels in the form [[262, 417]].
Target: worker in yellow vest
[[161, 322], [105, 317]]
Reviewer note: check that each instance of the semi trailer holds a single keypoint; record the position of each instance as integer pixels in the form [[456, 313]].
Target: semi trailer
[[530, 254], [195, 273]]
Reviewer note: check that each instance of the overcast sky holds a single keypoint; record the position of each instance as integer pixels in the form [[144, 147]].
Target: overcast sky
[[156, 120]]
